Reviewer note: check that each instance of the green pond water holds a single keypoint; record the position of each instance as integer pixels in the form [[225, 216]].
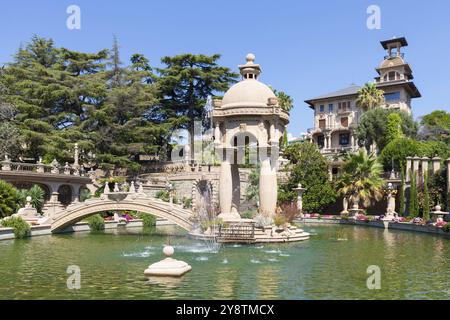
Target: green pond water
[[413, 266]]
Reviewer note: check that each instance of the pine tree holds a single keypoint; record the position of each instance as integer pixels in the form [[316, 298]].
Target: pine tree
[[426, 199], [186, 82]]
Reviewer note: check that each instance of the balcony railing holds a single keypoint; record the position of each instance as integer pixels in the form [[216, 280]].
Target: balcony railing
[[333, 127]]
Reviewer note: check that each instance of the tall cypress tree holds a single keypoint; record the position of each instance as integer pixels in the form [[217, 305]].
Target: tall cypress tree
[[402, 206], [426, 199], [413, 200]]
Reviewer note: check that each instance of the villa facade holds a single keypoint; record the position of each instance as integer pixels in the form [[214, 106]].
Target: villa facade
[[336, 115]]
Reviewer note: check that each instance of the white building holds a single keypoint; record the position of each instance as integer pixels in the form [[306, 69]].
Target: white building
[[336, 115]]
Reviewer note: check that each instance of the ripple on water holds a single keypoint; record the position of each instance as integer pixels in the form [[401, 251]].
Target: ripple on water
[[255, 261], [143, 254], [202, 258], [273, 251]]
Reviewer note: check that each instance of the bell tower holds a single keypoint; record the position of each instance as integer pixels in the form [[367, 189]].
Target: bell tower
[[395, 76]]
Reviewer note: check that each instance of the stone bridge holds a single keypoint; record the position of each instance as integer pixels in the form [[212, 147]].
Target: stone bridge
[[121, 201]]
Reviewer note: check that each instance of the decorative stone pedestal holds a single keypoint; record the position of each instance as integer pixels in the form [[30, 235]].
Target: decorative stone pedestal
[[438, 214], [355, 211], [168, 267]]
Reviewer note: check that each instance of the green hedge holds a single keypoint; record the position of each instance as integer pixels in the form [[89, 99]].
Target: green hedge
[[20, 226], [96, 222], [147, 219]]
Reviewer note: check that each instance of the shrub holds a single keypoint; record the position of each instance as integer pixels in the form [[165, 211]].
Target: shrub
[[290, 211], [85, 194], [20, 226], [37, 195], [345, 216], [262, 220], [9, 199], [248, 214], [96, 222], [279, 220], [148, 220], [163, 195], [446, 228], [187, 203]]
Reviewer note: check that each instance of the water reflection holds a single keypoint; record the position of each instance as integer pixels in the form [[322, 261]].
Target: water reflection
[[414, 266]]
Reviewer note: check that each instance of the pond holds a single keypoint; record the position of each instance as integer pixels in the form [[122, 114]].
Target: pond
[[413, 266]]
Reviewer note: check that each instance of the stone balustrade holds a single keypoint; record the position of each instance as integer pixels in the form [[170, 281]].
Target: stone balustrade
[[8, 165]]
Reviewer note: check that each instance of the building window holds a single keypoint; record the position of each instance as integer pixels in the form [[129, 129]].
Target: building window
[[321, 141], [321, 108], [392, 96], [330, 107], [344, 139], [344, 106], [322, 124]]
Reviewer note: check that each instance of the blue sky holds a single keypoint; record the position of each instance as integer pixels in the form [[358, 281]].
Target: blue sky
[[306, 48]]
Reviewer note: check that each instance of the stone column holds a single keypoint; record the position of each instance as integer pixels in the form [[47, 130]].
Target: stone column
[[236, 189], [300, 192], [267, 185], [272, 132], [352, 140], [416, 161], [6, 164], [424, 168], [436, 164], [226, 183], [217, 133], [408, 168]]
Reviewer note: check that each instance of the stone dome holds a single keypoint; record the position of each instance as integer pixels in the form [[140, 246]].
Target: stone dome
[[249, 92]]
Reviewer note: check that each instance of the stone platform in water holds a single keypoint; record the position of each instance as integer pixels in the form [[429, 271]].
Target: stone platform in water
[[168, 267], [244, 231]]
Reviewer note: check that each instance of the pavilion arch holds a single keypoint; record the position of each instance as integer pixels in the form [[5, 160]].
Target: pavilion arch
[[245, 142], [74, 214]]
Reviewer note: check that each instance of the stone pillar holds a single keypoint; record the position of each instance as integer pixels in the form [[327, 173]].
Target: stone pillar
[[217, 133], [424, 168], [236, 189], [300, 192], [415, 165], [436, 164], [225, 183], [344, 206], [272, 132], [425, 165], [40, 166], [352, 140], [267, 185], [408, 168], [6, 164]]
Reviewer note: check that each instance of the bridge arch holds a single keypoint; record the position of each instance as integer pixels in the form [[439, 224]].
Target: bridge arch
[[158, 208]]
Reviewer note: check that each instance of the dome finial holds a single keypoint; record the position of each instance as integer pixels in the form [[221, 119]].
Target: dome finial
[[250, 70], [250, 58]]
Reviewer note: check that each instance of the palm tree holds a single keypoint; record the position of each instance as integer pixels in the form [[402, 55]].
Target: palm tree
[[369, 97], [285, 101], [362, 179]]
